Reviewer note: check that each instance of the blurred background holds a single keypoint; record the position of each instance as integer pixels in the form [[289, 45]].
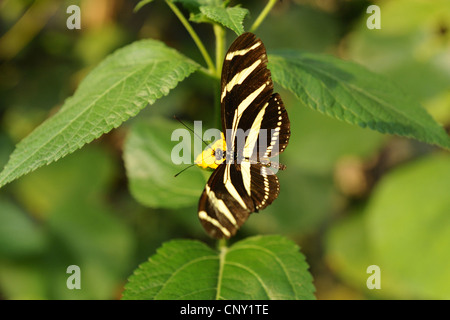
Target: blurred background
[[350, 198]]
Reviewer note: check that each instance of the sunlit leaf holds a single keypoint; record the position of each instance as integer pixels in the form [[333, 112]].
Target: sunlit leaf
[[349, 92], [269, 267], [231, 18], [116, 90]]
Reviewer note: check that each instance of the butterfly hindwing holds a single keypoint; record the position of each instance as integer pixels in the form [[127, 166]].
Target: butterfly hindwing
[[221, 212], [263, 186], [277, 129]]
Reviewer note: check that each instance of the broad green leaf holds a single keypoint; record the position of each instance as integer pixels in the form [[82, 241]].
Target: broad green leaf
[[348, 92], [194, 5], [231, 18], [261, 267], [311, 135], [116, 90], [194, 8], [405, 230], [151, 171], [413, 51]]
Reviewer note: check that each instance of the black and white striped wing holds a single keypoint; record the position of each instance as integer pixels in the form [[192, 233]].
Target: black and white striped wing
[[246, 84], [223, 210], [248, 103], [222, 213], [270, 131]]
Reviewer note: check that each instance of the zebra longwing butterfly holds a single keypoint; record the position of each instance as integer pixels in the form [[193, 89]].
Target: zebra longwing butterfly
[[243, 181]]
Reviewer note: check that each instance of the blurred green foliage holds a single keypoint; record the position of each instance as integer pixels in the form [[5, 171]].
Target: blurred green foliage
[[351, 197]]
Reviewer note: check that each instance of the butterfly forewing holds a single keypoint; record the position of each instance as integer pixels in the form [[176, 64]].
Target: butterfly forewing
[[246, 83]]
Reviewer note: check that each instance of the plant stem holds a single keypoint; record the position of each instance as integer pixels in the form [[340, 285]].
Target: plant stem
[[207, 72], [194, 36], [221, 244], [219, 33], [263, 15]]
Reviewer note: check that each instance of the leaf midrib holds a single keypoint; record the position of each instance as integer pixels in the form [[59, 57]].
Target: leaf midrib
[[222, 255]]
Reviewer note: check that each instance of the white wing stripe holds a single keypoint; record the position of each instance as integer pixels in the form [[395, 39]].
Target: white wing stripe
[[231, 55], [204, 216], [246, 177], [237, 116], [240, 110], [239, 78], [220, 205], [230, 187], [254, 133], [247, 101]]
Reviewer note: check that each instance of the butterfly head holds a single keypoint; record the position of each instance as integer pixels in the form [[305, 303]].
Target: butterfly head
[[213, 155]]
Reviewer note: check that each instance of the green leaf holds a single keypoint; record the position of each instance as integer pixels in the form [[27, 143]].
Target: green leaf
[[194, 8], [405, 230], [349, 92], [312, 136], [413, 51], [194, 5], [262, 267], [116, 90], [150, 169], [231, 18]]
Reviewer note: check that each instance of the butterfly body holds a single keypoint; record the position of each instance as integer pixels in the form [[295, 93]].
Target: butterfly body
[[257, 128]]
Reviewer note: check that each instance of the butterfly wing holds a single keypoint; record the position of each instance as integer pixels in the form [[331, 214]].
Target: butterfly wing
[[245, 84], [222, 212], [270, 131], [248, 104]]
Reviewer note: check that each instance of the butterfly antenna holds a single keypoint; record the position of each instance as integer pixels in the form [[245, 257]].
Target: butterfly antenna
[[190, 129], [184, 169]]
